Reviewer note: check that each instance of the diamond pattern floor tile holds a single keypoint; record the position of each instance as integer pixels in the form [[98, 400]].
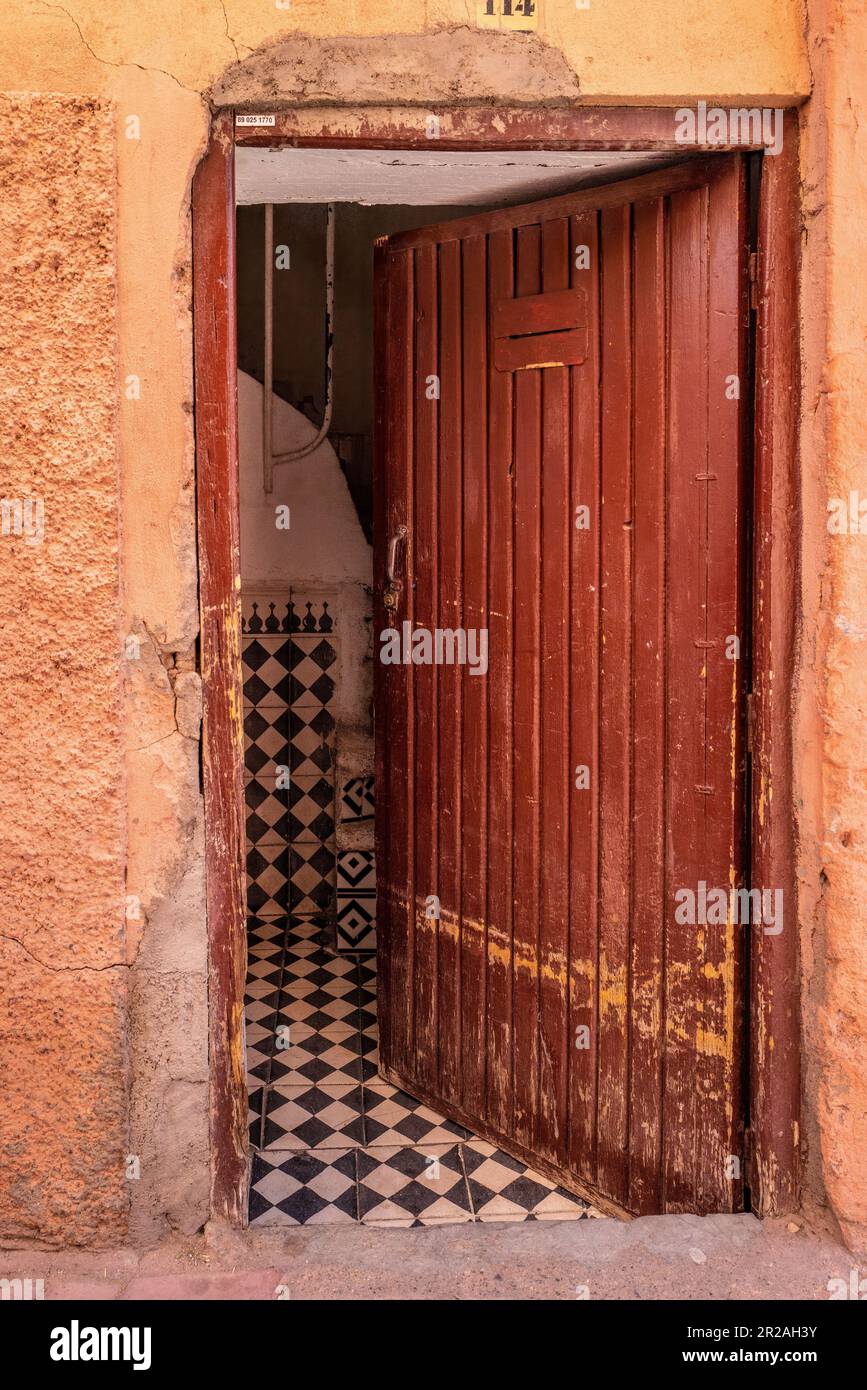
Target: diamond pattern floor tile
[[412, 1186], [313, 1117], [314, 1188], [313, 1058], [505, 1189], [391, 1117], [332, 1141]]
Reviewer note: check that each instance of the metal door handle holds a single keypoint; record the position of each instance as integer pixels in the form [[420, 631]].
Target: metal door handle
[[393, 585]]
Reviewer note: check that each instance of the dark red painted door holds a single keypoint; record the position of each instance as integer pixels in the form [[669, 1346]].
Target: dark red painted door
[[560, 762]]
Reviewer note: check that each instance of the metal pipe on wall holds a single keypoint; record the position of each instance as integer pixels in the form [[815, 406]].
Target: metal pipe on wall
[[268, 373], [269, 457]]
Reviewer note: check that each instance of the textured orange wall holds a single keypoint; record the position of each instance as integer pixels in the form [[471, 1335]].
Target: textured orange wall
[[62, 965], [832, 722]]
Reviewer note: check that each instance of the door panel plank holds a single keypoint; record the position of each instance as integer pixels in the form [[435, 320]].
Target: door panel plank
[[721, 1043], [449, 531], [584, 716], [648, 742], [687, 789], [554, 770], [500, 694], [615, 782], [474, 747], [395, 719], [526, 711], [425, 979]]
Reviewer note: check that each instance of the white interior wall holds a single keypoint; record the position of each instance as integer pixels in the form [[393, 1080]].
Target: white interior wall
[[325, 544], [323, 553]]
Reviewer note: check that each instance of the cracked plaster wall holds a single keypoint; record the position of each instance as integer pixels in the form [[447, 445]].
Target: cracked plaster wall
[[104, 1020]]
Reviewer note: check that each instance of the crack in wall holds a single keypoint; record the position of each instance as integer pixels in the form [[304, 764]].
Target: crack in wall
[[109, 62], [64, 969]]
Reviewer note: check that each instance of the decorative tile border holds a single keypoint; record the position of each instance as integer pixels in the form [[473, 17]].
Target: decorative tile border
[[357, 799], [274, 613], [356, 900]]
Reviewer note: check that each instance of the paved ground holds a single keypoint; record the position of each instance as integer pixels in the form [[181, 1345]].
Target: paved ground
[[732, 1257]]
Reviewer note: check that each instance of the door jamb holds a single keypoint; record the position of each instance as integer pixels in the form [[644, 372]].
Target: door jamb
[[217, 486], [774, 1103]]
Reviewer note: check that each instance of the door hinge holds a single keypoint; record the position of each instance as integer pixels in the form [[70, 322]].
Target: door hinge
[[750, 721], [754, 279]]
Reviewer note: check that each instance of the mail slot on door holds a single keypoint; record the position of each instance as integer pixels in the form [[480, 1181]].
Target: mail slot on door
[[541, 330]]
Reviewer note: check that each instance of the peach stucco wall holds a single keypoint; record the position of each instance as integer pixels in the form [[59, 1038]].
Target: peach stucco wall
[[831, 743], [63, 973], [100, 1007]]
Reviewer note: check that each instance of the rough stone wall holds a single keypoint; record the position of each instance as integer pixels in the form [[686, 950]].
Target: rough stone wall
[[63, 1044]]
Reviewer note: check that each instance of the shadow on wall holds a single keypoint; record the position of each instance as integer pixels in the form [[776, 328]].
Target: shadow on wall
[[323, 543]]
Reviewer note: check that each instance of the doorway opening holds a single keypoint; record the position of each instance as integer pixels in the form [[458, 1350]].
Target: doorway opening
[[332, 1139], [619, 369]]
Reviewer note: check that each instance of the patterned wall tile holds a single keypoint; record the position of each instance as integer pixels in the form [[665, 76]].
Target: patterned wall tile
[[267, 734], [313, 662], [311, 734], [289, 662], [357, 799], [267, 666], [356, 900], [266, 808]]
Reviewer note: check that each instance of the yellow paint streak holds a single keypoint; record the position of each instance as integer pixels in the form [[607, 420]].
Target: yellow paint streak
[[711, 1044], [612, 989], [553, 965]]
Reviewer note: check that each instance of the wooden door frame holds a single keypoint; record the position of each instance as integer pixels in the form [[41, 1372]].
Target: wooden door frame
[[774, 998]]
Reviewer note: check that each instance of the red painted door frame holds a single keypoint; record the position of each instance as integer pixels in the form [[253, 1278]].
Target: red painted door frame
[[774, 1083]]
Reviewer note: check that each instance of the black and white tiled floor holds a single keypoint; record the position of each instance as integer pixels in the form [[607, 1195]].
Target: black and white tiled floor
[[332, 1142]]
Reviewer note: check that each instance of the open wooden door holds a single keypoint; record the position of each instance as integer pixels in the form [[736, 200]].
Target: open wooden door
[[560, 474]]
